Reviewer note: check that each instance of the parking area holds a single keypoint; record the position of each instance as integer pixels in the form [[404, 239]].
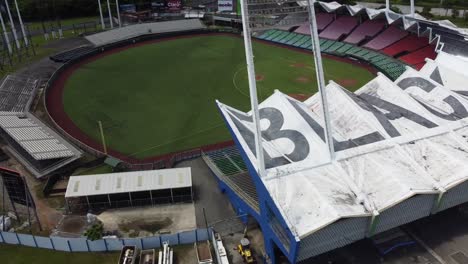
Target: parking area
[[207, 194]]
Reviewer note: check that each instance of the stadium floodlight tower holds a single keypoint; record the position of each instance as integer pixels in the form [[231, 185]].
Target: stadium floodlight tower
[[13, 28], [118, 12], [110, 14], [25, 39], [102, 16], [256, 18], [412, 8], [5, 34]]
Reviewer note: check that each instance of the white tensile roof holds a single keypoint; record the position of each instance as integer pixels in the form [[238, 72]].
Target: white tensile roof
[[125, 182], [393, 140]]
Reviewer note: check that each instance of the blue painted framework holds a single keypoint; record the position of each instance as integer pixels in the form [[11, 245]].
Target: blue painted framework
[[272, 240]]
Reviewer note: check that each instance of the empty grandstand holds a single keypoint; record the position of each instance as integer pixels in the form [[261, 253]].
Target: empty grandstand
[[391, 35], [387, 65], [16, 94], [368, 29], [133, 31], [35, 145], [72, 54], [342, 26]]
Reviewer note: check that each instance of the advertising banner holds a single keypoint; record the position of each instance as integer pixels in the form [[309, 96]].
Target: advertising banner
[[158, 6], [225, 5], [174, 5], [131, 8]]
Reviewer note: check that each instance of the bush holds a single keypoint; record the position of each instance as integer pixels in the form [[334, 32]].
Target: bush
[[94, 232], [426, 12], [455, 13]]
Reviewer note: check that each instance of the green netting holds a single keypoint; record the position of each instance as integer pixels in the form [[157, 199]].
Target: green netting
[[226, 166]]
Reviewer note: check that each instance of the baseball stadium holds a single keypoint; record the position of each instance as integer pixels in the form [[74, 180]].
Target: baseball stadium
[[145, 113]]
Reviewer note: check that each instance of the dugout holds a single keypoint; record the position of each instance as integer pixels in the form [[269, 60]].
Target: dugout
[[129, 189]]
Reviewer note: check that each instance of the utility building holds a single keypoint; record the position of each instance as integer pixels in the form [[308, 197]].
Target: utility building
[[128, 189]]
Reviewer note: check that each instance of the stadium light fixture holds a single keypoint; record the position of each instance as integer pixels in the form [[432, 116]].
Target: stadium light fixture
[[13, 28], [252, 88], [102, 16], [412, 8], [110, 14], [5, 34], [320, 77], [26, 41], [118, 12]]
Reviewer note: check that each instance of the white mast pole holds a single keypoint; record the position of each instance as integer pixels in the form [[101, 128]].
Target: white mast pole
[[118, 12], [102, 16], [253, 87], [320, 78], [387, 5], [412, 8], [5, 33], [26, 41], [13, 28], [110, 14]]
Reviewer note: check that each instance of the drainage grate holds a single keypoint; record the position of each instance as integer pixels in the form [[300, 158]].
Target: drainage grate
[[460, 258]]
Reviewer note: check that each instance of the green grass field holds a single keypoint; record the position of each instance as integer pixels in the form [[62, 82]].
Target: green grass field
[[160, 98], [10, 254]]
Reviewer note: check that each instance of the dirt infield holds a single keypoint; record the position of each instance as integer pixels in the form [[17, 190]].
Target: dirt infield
[[55, 93]]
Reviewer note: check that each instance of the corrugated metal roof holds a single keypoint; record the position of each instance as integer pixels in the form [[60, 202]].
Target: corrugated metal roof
[[393, 140], [124, 182], [36, 138]]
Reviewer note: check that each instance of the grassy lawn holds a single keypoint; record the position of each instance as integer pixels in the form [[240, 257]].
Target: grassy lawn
[[96, 170], [25, 255], [65, 22], [160, 98]]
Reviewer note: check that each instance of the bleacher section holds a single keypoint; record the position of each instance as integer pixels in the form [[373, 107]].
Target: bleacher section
[[341, 26], [391, 35], [418, 57], [407, 44], [71, 54], [16, 94], [35, 145], [387, 65], [132, 31], [323, 20], [366, 30]]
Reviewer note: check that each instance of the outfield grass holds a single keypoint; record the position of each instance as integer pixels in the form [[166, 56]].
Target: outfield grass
[[26, 255], [160, 98]]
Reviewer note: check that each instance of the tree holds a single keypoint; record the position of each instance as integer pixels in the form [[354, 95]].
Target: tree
[[455, 13], [426, 12], [94, 232], [446, 5]]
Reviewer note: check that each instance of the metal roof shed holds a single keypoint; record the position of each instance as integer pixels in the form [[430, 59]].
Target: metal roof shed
[[129, 188]]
